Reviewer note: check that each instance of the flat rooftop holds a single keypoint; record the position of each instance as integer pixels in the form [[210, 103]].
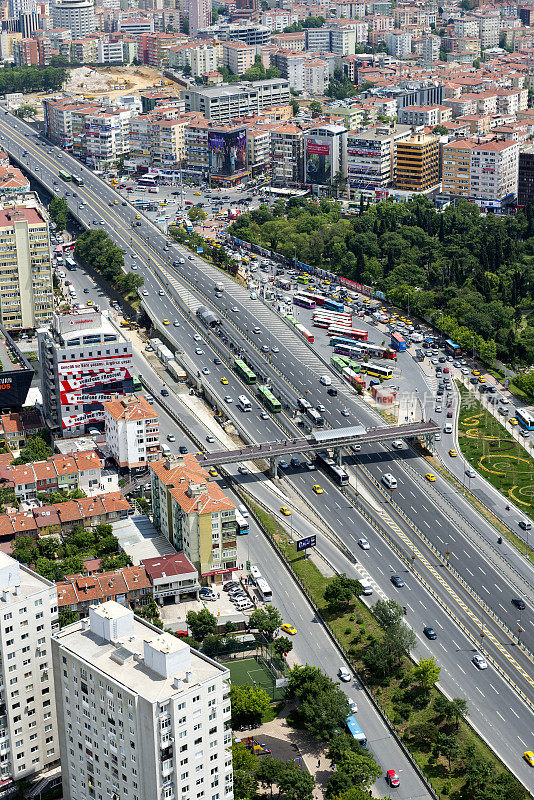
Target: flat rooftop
[[139, 539], [10, 355]]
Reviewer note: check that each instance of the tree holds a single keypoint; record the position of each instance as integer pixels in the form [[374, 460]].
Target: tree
[[478, 770], [340, 591], [324, 715], [307, 680], [361, 767], [249, 704], [295, 106], [424, 734], [315, 108], [448, 747], [25, 550], [150, 612], [459, 708], [282, 646], [196, 214], [201, 623], [440, 130], [245, 766], [388, 613], [26, 111], [266, 621], [67, 617], [294, 783], [426, 673], [36, 448], [269, 772]]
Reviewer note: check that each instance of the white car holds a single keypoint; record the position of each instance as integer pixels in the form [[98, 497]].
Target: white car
[[364, 544], [228, 399], [197, 338], [470, 472], [465, 371], [479, 661], [352, 705], [344, 675], [144, 293], [205, 371]]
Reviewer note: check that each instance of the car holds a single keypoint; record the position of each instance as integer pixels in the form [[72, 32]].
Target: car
[[449, 414], [86, 290], [288, 628], [435, 361], [224, 381], [165, 392], [217, 360], [392, 778], [264, 415], [513, 421], [438, 409], [519, 603], [242, 470], [166, 322], [430, 477], [205, 371], [397, 581], [235, 309], [344, 675], [144, 293], [161, 293], [364, 544], [176, 323], [207, 594], [453, 453], [429, 632], [479, 661], [470, 472], [317, 489], [446, 370], [283, 464], [171, 437], [138, 216], [264, 348], [525, 434], [275, 349], [228, 399], [464, 371], [183, 449], [528, 755], [199, 351], [213, 472], [285, 511], [230, 585], [345, 412], [476, 372], [320, 408], [197, 338], [210, 438]]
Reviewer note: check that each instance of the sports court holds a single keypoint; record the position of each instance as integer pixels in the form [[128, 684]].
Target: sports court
[[255, 671]]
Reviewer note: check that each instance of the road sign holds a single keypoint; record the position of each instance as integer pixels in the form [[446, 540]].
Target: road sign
[[304, 544]]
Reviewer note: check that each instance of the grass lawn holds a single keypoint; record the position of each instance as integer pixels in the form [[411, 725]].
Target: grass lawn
[[400, 697]]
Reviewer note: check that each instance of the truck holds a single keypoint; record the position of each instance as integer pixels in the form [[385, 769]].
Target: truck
[[219, 289], [207, 317]]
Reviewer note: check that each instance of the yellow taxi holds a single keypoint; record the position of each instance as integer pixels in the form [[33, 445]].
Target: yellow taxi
[[383, 308], [115, 202], [528, 755], [213, 472], [476, 372], [430, 477], [453, 453], [224, 381], [165, 322], [317, 489], [287, 628], [138, 216], [285, 511], [89, 302], [197, 194], [512, 421], [482, 379]]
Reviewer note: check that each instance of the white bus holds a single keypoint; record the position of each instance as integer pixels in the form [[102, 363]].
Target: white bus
[[264, 590], [255, 574], [244, 403]]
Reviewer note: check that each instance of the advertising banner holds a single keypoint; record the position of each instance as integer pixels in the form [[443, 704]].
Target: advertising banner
[[227, 151], [88, 366], [318, 161]]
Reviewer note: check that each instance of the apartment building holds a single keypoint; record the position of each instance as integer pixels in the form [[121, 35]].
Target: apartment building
[[237, 100], [248, 32], [425, 115], [398, 43], [26, 53], [430, 49], [195, 515], [511, 101], [325, 154], [287, 154], [489, 30], [404, 15], [132, 432], [80, 470], [258, 149], [291, 66], [85, 360], [485, 172], [276, 19], [28, 727], [201, 57], [199, 15], [466, 26], [26, 291], [76, 15], [197, 155], [289, 41], [371, 156], [84, 50], [316, 76], [129, 586], [349, 9], [418, 163], [238, 56], [525, 185], [143, 702], [158, 46]]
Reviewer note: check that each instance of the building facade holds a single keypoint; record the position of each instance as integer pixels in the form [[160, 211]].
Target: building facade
[[418, 163], [237, 100], [371, 156], [76, 15], [132, 432], [484, 172]]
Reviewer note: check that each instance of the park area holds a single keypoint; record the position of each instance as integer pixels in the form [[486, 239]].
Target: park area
[[258, 670], [499, 458]]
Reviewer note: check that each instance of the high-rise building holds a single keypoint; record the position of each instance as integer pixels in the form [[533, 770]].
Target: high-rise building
[[132, 432], [199, 15], [26, 291], [28, 617], [418, 163], [141, 714], [17, 7], [371, 155], [525, 188], [85, 360], [76, 15], [325, 154], [484, 171]]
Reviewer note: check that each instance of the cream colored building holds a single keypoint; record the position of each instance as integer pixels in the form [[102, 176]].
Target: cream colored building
[[238, 56], [132, 432], [26, 290]]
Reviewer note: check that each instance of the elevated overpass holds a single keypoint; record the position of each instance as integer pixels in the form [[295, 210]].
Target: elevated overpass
[[320, 440]]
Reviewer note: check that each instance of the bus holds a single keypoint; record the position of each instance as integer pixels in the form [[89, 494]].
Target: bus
[[351, 333], [377, 371], [244, 372], [147, 180], [525, 419], [337, 474], [241, 524], [137, 385], [305, 279], [70, 264], [269, 400], [333, 305], [303, 404], [398, 342], [356, 731], [255, 574], [305, 302], [349, 347], [353, 378], [77, 180], [65, 176], [323, 319], [339, 362], [264, 590], [452, 349], [292, 320], [305, 332], [316, 419]]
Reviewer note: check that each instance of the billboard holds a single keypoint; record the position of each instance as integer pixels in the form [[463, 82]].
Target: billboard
[[304, 544], [318, 160], [227, 151]]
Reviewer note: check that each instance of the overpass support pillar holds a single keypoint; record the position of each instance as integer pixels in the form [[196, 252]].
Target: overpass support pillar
[[337, 456], [273, 467]]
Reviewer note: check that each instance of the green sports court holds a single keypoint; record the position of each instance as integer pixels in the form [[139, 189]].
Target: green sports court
[[254, 671]]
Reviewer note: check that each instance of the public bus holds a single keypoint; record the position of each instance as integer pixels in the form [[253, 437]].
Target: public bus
[[377, 371], [351, 333], [337, 474], [291, 319], [333, 305], [339, 362], [305, 302], [525, 419], [269, 400], [452, 349], [70, 264], [65, 176], [255, 574], [244, 372], [324, 319], [316, 419], [305, 332], [137, 385], [398, 342], [147, 180], [303, 404], [264, 590], [241, 524], [305, 279], [78, 180], [357, 350], [356, 731], [352, 377]]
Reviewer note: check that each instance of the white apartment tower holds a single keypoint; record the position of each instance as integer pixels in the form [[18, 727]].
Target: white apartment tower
[[141, 715], [76, 15], [28, 617]]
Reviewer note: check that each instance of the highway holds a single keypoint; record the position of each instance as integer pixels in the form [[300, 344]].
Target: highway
[[294, 357]]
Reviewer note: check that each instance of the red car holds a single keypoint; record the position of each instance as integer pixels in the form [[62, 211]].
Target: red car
[[446, 370], [392, 778]]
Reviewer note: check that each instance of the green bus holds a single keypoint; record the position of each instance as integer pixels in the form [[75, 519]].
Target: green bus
[[291, 319], [137, 385], [65, 176], [269, 400], [303, 279], [246, 374], [339, 362]]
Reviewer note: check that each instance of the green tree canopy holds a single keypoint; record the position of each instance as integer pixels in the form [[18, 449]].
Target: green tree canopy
[[341, 590], [249, 704], [201, 623], [266, 621]]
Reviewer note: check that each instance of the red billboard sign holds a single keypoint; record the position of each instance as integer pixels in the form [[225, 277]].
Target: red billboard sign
[[316, 149]]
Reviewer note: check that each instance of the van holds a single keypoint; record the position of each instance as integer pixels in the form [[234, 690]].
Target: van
[[389, 480], [243, 604], [447, 428], [165, 450], [243, 403], [326, 380], [367, 588], [243, 510]]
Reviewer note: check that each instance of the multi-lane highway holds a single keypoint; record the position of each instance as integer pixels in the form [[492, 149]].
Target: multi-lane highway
[[289, 363]]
